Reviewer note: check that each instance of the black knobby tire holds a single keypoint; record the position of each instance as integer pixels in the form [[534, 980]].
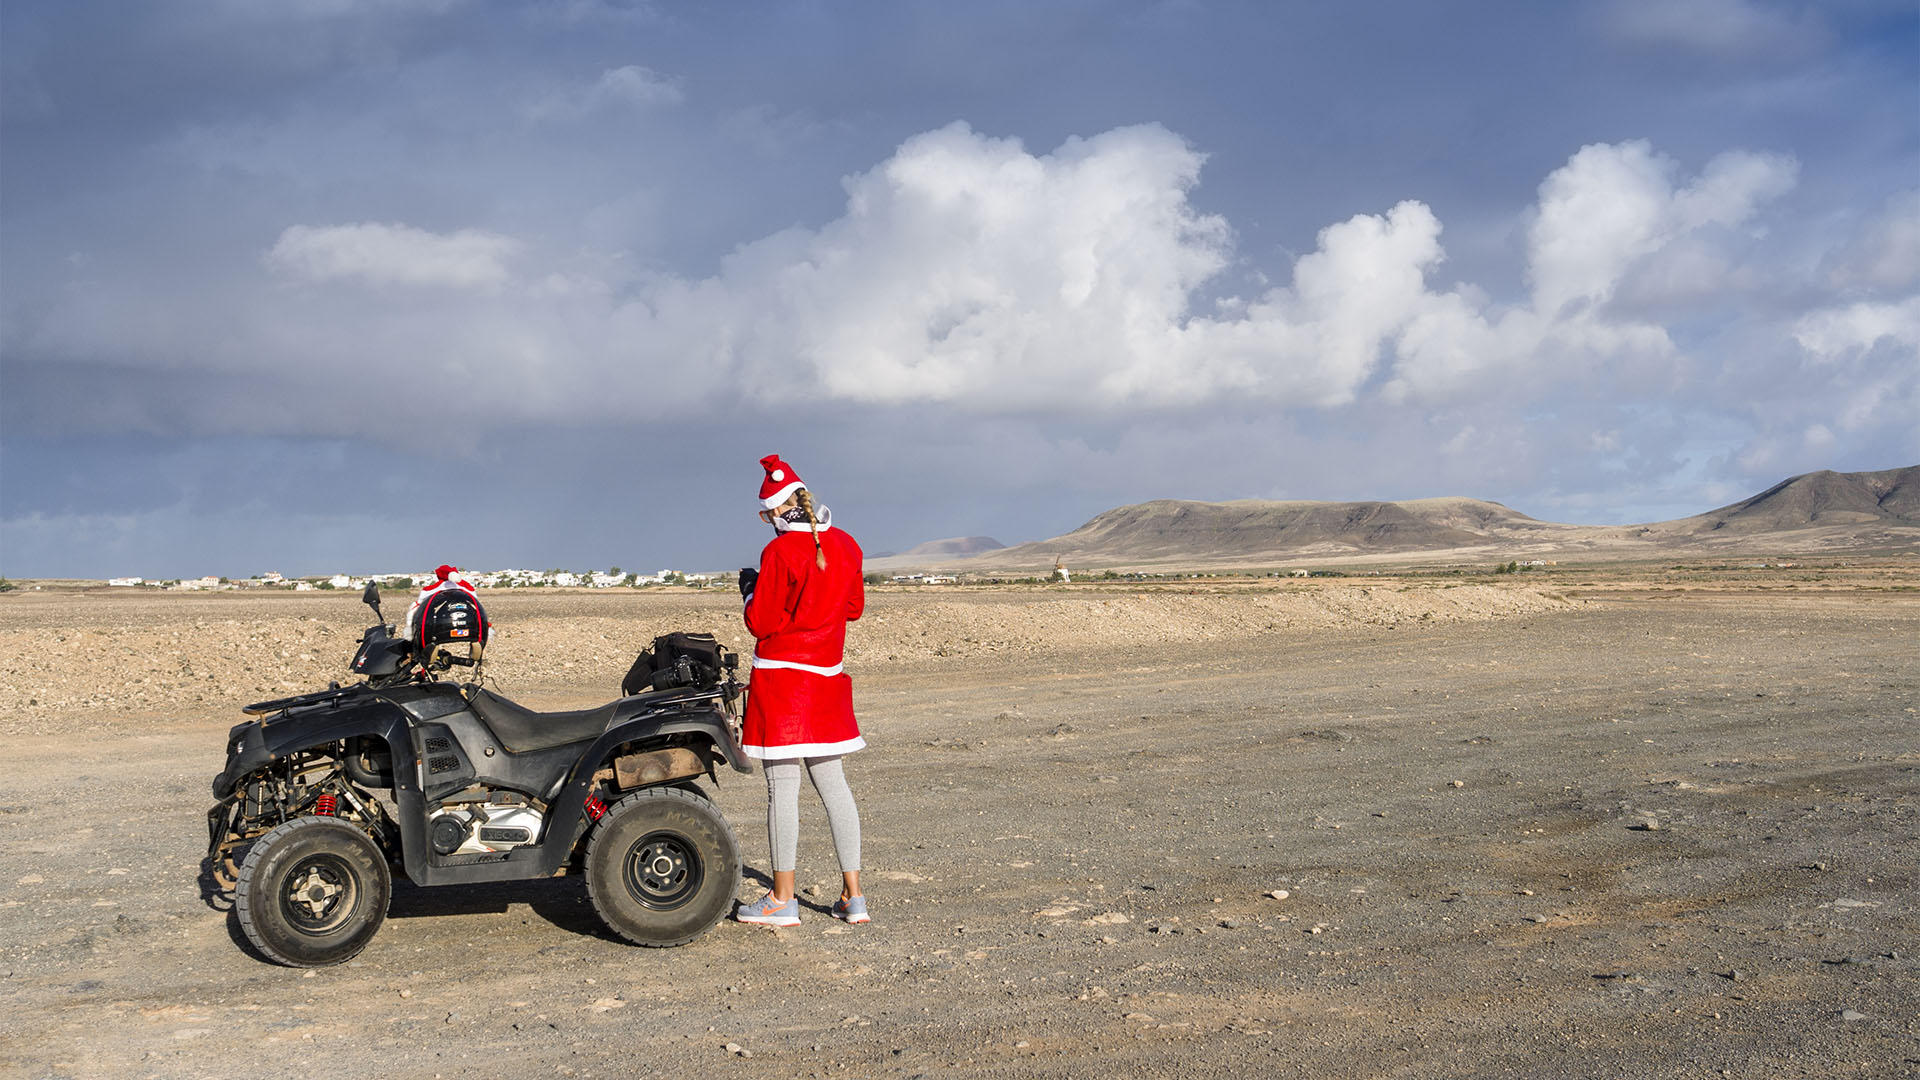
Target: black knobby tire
[[312, 892], [662, 867]]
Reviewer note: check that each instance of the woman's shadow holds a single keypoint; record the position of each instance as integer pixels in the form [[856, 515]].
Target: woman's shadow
[[765, 880]]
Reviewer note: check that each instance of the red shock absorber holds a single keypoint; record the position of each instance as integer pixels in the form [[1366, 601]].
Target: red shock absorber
[[325, 805], [595, 808]]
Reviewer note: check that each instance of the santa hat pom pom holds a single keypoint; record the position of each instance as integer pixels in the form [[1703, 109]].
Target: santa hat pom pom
[[780, 483]]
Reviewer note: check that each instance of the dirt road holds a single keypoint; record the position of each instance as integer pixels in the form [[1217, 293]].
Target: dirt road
[[1643, 833]]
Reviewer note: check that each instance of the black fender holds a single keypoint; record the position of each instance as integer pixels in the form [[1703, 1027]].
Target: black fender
[[333, 719], [650, 721], [257, 743], [564, 814]]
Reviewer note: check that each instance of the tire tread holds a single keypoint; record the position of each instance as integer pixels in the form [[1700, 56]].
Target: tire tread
[[695, 798], [257, 855]]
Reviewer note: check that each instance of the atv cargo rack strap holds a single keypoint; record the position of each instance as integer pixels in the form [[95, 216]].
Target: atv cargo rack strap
[[261, 708]]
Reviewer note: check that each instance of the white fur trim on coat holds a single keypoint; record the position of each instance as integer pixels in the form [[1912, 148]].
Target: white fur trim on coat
[[763, 662], [794, 750]]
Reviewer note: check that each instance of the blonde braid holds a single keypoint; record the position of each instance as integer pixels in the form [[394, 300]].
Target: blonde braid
[[806, 507]]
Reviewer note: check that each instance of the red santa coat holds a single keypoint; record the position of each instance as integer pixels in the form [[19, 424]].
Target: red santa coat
[[800, 702]]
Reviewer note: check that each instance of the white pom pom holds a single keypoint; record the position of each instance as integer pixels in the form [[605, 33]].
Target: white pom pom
[[779, 475]]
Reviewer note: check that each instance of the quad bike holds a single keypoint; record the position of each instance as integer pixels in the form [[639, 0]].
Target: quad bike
[[327, 794]]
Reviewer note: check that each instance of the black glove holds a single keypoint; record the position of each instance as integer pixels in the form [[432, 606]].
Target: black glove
[[747, 577]]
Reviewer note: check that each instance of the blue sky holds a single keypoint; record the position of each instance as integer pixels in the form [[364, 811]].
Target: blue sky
[[378, 284]]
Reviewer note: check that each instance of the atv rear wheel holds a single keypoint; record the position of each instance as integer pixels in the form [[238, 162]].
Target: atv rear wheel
[[312, 892], [662, 867]]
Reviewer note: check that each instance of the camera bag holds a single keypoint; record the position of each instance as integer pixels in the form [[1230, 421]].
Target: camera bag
[[679, 659]]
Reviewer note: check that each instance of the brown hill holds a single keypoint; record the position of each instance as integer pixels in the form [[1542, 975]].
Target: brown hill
[[1170, 528], [1174, 531], [1821, 498], [1823, 511], [1477, 516]]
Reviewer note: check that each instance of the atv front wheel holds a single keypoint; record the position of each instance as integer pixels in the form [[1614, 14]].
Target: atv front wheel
[[662, 867], [312, 892]]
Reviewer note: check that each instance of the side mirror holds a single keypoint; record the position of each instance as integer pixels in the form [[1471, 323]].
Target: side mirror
[[371, 598]]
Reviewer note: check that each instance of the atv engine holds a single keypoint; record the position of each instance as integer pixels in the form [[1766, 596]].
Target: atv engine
[[476, 828]]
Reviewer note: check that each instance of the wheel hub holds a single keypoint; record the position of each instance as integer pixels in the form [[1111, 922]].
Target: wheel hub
[[663, 871], [319, 895]]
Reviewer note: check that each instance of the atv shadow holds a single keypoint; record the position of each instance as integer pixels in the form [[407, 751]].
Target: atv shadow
[[214, 893], [560, 901], [239, 938]]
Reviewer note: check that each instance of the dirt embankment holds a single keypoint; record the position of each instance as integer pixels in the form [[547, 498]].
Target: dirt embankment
[[108, 658]]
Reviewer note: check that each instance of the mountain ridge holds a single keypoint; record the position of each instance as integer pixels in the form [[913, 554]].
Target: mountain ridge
[[1822, 510]]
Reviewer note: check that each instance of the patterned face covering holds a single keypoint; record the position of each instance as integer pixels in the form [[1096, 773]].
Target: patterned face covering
[[794, 519]]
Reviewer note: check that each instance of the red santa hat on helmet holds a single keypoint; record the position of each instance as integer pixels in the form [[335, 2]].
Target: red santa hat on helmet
[[444, 575], [781, 481]]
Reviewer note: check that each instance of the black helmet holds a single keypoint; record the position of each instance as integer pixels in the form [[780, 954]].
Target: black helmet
[[450, 618]]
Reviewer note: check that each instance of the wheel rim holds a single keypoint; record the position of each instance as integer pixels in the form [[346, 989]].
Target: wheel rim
[[663, 870], [320, 894]]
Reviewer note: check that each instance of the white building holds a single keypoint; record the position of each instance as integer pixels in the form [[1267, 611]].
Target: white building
[[124, 581]]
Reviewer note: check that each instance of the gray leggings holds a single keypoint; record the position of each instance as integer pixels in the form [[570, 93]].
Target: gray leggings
[[783, 810]]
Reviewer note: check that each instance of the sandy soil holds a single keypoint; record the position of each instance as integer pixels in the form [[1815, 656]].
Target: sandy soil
[[111, 656], [1623, 827]]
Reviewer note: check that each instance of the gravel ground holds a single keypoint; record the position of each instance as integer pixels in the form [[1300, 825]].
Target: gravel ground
[[113, 656], [1621, 832]]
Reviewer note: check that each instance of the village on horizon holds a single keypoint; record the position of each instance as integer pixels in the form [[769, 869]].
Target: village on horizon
[[612, 578]]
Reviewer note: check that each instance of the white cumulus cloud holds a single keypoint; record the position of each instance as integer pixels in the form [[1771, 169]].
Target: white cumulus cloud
[[971, 274], [381, 254], [1612, 206], [1833, 334]]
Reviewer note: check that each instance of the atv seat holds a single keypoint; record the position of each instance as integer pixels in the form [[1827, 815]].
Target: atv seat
[[521, 730]]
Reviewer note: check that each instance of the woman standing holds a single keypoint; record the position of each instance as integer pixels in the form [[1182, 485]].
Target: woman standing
[[800, 702]]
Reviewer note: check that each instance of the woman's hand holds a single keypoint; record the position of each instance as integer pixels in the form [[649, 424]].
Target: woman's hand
[[748, 576]]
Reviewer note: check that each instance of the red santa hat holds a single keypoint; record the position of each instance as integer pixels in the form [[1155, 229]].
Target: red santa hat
[[443, 573], [781, 481]]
